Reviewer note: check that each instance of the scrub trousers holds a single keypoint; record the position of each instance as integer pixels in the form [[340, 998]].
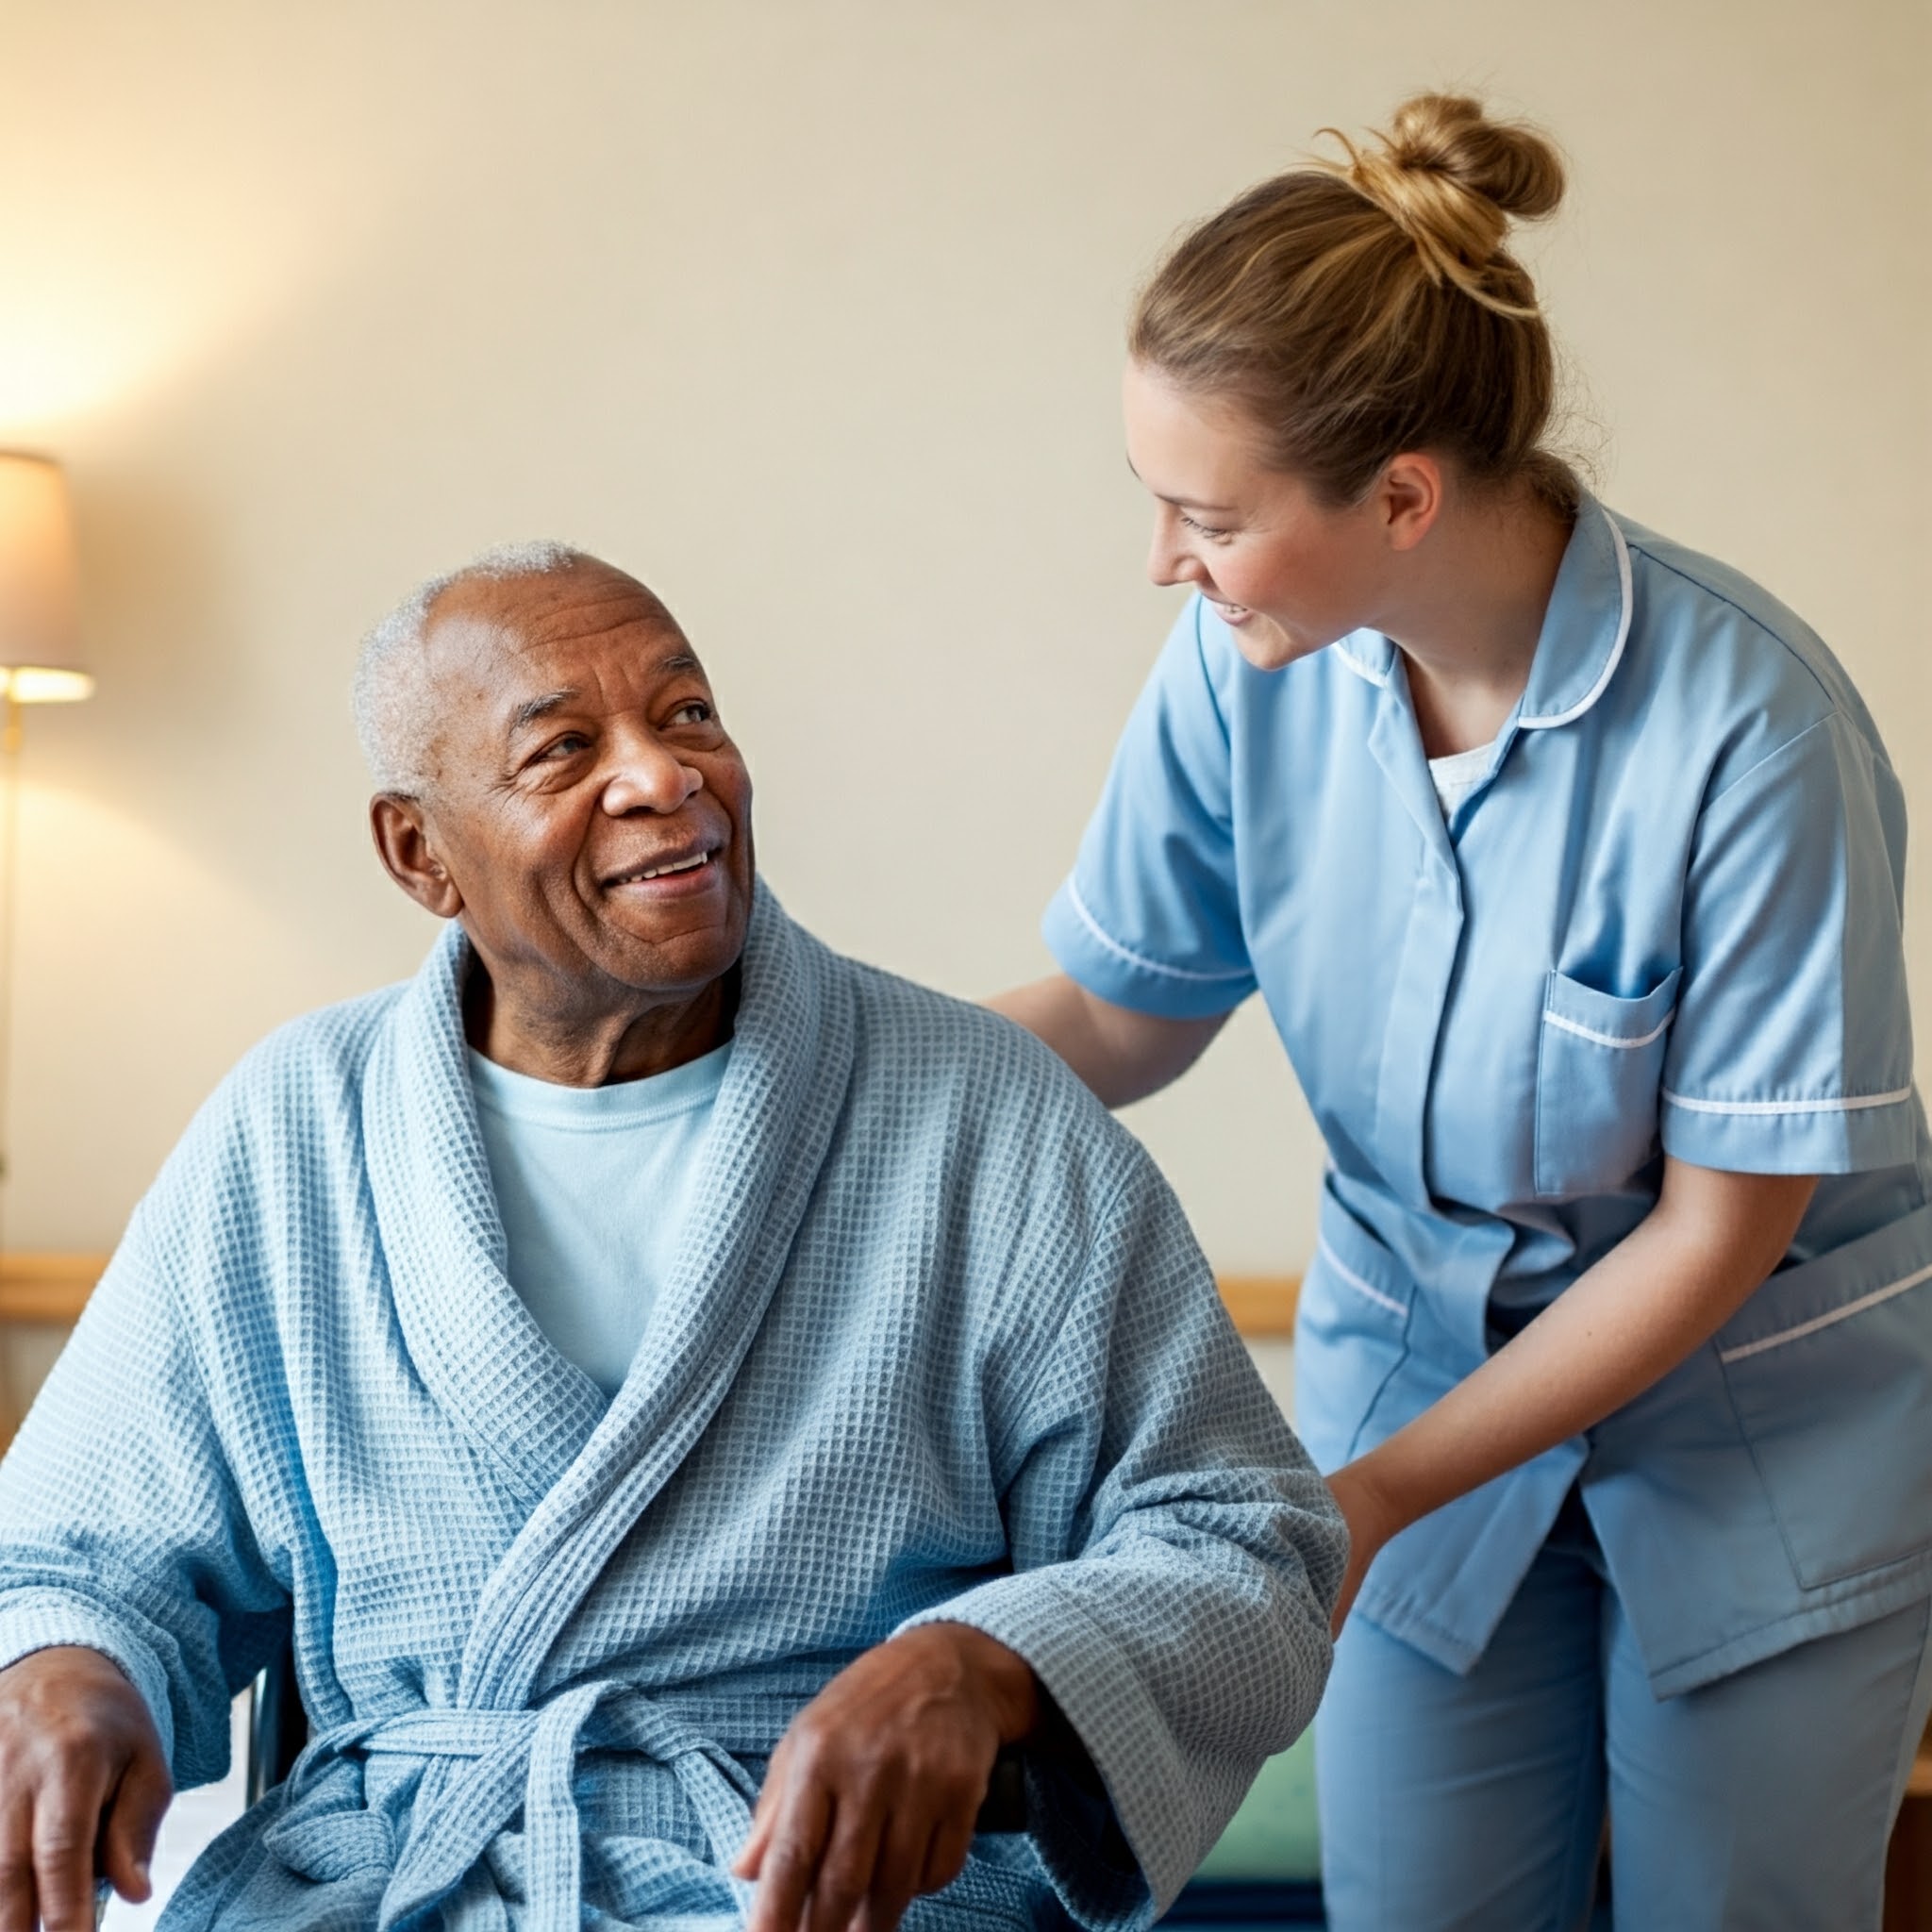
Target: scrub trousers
[[1757, 1804]]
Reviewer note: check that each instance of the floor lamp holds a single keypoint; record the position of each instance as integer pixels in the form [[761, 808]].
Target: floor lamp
[[39, 663]]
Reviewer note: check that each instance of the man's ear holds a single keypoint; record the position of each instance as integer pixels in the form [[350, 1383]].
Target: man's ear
[[1409, 496], [402, 843]]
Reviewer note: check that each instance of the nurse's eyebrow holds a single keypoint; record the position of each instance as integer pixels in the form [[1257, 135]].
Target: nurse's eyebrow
[[1212, 510]]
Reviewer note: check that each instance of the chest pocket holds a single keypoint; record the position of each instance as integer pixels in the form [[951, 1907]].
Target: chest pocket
[[1600, 1061]]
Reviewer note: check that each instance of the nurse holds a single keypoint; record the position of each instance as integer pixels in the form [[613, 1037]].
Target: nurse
[[1569, 863]]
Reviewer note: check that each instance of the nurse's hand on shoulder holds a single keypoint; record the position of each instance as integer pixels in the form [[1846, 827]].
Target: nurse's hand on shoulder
[[1123, 1055], [1372, 1520]]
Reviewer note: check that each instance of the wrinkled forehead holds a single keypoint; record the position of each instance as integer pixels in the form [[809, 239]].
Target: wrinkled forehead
[[493, 643]]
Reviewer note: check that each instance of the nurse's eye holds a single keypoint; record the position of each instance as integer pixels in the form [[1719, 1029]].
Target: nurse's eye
[[1207, 530]]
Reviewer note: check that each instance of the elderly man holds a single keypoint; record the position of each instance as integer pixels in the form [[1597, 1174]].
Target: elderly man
[[690, 1399]]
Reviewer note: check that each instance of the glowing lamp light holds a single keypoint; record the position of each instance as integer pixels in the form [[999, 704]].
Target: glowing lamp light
[[39, 604]]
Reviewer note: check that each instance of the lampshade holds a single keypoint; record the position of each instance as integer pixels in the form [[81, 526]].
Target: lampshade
[[40, 617]]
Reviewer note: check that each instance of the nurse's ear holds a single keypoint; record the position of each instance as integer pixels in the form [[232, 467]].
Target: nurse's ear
[[1407, 498]]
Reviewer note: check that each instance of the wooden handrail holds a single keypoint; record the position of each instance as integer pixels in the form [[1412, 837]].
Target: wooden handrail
[[1262, 1305], [54, 1287], [47, 1287]]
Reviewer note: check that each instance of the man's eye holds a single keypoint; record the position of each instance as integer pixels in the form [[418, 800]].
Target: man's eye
[[567, 747], [696, 712]]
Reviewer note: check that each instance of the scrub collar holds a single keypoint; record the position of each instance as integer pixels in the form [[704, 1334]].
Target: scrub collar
[[1584, 631]]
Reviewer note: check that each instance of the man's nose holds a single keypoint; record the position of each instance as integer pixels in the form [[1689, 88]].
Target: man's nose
[[649, 776]]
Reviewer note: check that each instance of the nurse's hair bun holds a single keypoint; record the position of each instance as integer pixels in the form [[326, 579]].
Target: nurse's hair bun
[[1451, 179], [1356, 308]]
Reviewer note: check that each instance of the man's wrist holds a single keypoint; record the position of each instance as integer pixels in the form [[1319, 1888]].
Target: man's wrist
[[1004, 1679]]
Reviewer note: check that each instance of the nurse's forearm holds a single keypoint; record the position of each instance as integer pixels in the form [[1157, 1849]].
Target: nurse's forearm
[[1121, 1055], [1624, 1324]]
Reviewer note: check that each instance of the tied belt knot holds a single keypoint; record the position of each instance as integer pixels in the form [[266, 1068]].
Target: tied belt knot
[[497, 1760]]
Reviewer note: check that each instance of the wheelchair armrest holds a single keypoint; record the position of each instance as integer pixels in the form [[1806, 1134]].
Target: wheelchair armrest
[[1004, 1808]]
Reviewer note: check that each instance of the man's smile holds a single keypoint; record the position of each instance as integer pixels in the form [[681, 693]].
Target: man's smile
[[686, 866]]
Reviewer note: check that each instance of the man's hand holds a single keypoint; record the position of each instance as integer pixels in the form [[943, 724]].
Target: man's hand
[[82, 1773], [870, 1797]]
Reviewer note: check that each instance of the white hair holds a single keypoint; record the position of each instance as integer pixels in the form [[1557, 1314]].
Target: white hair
[[396, 710]]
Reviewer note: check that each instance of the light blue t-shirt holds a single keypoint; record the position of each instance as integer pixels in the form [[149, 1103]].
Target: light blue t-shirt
[[594, 1185]]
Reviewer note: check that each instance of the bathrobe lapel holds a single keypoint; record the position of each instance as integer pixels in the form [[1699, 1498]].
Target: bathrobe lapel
[[482, 1357]]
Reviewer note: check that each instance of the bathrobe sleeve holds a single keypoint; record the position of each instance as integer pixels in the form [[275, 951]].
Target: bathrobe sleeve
[[121, 1529], [1175, 1559]]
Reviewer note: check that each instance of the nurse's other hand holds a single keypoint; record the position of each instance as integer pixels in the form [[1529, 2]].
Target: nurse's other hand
[[81, 1775], [1372, 1518]]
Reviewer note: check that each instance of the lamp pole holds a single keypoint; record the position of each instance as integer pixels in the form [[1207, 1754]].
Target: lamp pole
[[10, 735], [39, 663]]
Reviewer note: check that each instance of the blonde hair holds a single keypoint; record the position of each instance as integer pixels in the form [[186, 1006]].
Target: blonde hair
[[1358, 308]]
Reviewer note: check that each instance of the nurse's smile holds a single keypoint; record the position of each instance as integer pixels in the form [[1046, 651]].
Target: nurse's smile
[[1286, 573]]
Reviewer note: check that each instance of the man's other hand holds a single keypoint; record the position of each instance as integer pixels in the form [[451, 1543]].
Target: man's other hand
[[870, 1797], [81, 1775]]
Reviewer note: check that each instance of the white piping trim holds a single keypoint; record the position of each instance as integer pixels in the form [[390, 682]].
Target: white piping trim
[[1604, 677], [1556, 1019], [1378, 678], [1140, 960], [1857, 1102], [1355, 1280], [1818, 1321]]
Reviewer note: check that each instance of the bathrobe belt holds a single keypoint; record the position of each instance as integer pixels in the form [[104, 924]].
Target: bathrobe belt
[[515, 1757]]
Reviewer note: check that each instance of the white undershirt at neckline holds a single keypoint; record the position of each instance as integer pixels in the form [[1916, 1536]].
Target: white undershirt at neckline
[[1458, 774]]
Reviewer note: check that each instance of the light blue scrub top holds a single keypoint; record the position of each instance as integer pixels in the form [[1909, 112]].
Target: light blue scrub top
[[1668, 919]]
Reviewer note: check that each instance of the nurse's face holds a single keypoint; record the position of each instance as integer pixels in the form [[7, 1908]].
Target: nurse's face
[[1286, 574]]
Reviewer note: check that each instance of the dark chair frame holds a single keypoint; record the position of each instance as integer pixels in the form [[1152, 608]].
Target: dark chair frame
[[278, 1725]]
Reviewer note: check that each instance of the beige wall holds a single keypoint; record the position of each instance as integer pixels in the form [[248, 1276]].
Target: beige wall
[[810, 313]]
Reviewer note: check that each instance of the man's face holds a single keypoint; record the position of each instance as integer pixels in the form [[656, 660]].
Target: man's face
[[584, 797]]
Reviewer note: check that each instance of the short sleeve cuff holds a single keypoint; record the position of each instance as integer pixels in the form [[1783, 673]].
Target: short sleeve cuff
[[32, 1620], [1127, 976], [1835, 1136]]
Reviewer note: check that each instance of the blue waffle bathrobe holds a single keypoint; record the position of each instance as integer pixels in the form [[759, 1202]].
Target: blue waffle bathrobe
[[938, 1345]]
